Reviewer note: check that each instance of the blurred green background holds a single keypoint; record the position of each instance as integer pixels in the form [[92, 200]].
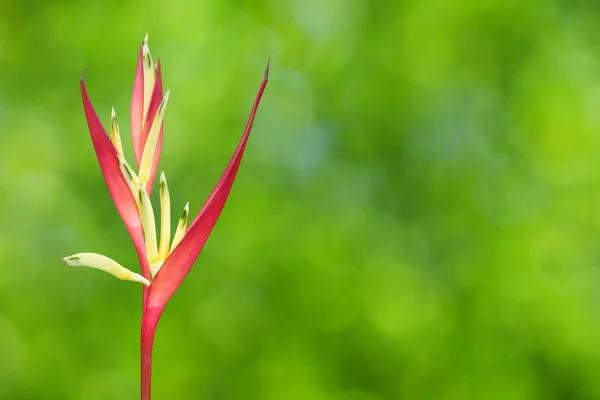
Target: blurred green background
[[416, 215]]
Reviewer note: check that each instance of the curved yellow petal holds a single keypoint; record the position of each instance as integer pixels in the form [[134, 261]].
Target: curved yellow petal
[[98, 261]]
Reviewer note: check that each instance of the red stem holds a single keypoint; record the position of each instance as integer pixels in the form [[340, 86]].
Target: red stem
[[150, 318]]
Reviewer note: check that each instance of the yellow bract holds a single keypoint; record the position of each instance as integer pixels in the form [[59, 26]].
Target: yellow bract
[[130, 176], [148, 224], [114, 132], [181, 227], [165, 218], [149, 74], [152, 141], [104, 263]]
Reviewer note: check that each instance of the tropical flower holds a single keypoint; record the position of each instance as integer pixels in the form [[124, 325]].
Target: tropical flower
[[164, 263]]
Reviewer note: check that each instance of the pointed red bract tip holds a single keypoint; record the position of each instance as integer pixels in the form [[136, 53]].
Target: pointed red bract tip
[[156, 99], [84, 73], [267, 68], [137, 106]]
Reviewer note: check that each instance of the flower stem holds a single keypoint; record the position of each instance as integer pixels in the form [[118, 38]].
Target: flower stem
[[150, 319]]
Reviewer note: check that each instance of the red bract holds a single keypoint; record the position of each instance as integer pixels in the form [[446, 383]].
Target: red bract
[[162, 271], [139, 136], [115, 181], [183, 257]]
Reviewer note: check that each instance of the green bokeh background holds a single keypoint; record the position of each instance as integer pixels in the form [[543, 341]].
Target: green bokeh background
[[416, 215]]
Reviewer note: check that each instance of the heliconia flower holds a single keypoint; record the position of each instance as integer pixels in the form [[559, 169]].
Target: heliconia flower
[[164, 262]]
